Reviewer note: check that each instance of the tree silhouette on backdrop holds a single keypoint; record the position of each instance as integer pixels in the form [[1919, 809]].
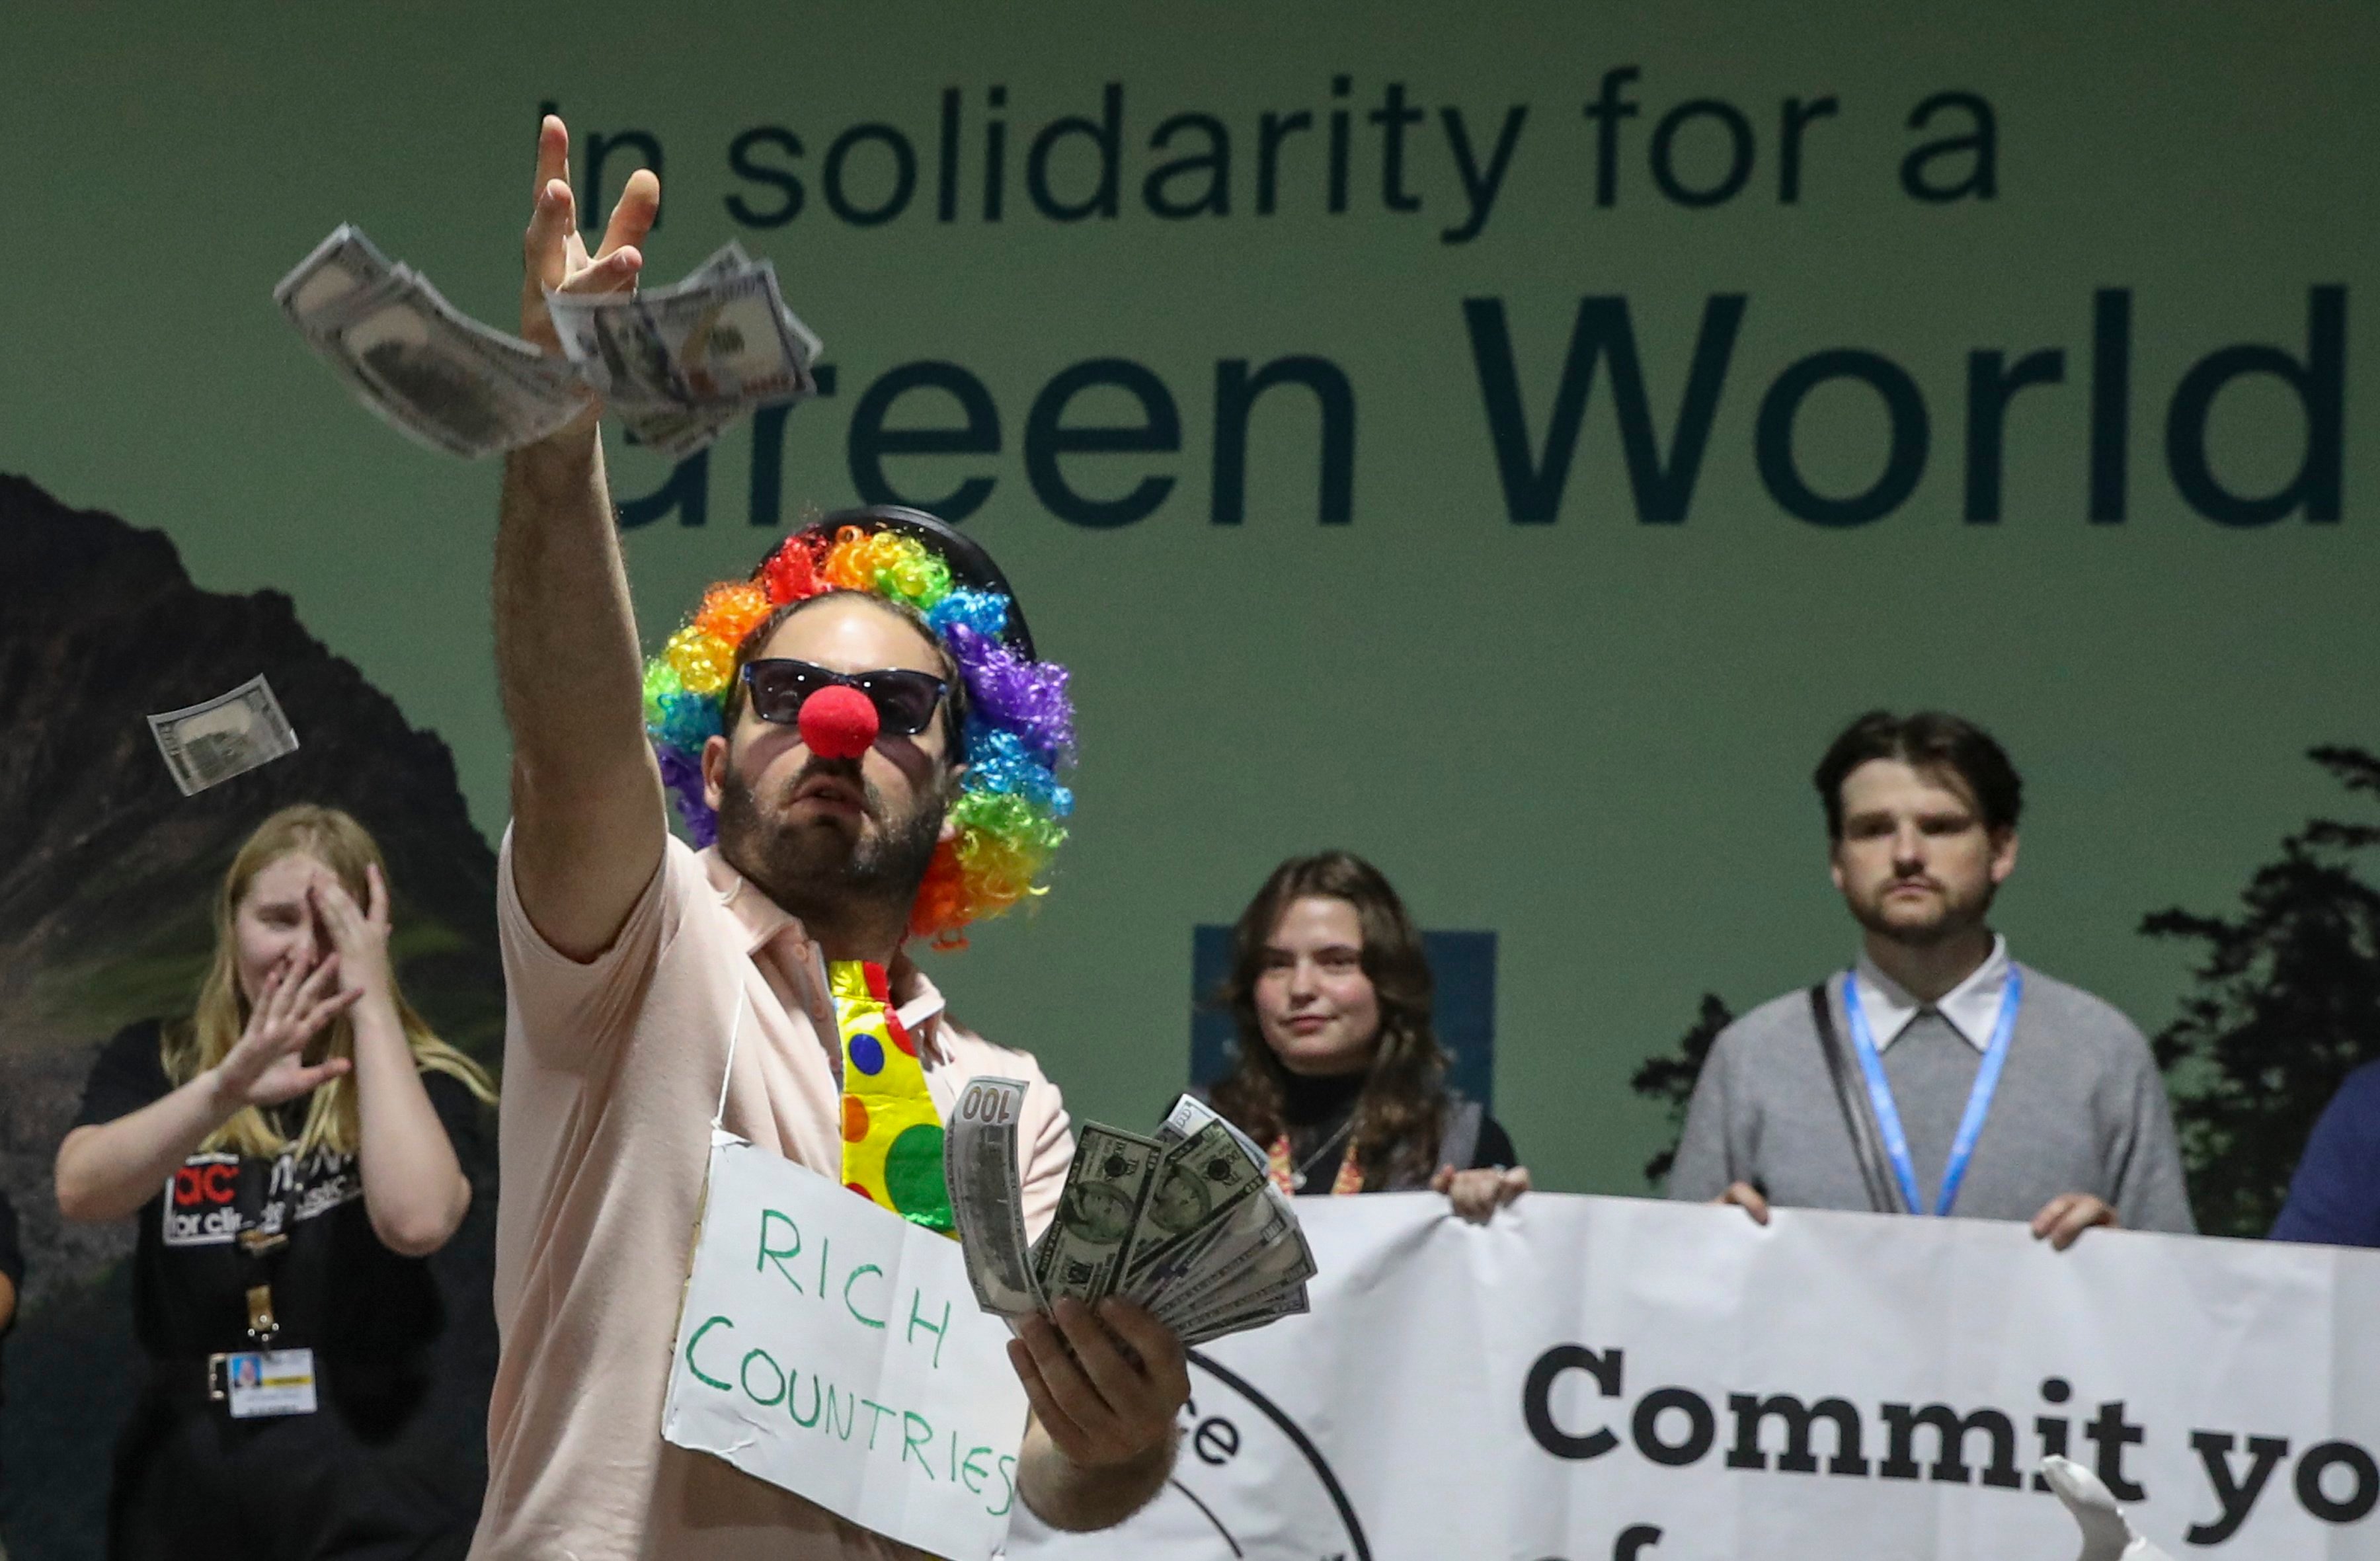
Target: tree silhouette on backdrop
[[2287, 1004], [1671, 1079]]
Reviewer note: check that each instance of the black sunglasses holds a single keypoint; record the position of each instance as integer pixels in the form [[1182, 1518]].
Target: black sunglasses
[[905, 701]]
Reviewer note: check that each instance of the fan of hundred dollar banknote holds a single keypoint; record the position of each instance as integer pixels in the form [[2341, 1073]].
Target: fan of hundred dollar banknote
[[1188, 1223], [675, 364]]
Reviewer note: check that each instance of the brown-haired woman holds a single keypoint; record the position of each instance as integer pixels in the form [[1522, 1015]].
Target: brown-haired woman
[[1339, 1072], [290, 1149]]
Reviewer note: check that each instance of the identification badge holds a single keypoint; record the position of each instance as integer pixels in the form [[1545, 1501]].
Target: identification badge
[[270, 1382]]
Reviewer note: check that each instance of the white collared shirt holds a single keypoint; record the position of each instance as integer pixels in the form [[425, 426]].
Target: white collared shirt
[[1973, 1006]]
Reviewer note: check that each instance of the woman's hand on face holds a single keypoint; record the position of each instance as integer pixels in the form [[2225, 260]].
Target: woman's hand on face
[[267, 1064], [358, 935], [1476, 1195]]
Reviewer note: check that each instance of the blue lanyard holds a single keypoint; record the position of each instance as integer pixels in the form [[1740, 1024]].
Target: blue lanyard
[[1979, 1100]]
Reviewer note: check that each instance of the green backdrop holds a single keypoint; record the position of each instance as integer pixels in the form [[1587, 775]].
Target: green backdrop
[[1589, 732]]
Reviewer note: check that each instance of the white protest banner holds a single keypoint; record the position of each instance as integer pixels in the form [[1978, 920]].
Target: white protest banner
[[831, 1347], [1593, 1377]]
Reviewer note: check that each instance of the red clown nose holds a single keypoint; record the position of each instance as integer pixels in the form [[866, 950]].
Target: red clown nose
[[839, 721]]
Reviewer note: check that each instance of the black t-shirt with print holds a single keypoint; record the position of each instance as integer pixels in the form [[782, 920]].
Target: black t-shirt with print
[[335, 1288]]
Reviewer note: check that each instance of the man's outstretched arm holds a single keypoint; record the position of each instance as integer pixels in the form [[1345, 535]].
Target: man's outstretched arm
[[588, 821]]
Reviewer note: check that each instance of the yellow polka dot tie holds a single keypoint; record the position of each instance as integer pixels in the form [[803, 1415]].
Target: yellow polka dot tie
[[892, 1135]]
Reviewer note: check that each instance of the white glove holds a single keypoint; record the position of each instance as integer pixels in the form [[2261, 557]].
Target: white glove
[[2108, 1535]]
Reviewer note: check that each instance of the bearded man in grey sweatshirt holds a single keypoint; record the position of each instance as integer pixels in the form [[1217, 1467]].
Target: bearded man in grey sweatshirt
[[1937, 1075]]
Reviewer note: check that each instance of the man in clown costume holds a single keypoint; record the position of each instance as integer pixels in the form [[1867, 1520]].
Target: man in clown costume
[[861, 740]]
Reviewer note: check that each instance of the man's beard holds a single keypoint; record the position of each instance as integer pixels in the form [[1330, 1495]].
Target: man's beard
[[819, 874], [1954, 919]]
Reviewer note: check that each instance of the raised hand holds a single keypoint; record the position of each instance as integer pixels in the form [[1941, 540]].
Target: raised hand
[[555, 254], [266, 1065], [589, 817], [358, 935]]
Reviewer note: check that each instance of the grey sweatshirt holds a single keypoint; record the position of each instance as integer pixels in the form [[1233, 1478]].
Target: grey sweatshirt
[[2079, 1109]]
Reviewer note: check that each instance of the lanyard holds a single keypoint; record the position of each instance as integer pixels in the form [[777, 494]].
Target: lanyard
[[264, 1241], [1979, 1100]]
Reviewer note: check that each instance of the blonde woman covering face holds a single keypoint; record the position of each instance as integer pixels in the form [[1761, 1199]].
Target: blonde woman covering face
[[288, 1150]]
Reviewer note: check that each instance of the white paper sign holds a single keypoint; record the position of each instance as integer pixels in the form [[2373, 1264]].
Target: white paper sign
[[1608, 1377], [833, 1349]]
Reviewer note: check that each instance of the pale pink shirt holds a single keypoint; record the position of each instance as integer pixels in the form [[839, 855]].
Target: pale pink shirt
[[612, 1072]]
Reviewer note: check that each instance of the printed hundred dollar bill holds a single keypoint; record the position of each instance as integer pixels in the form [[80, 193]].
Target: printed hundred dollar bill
[[678, 431], [1245, 1229], [1200, 1179], [1190, 1114], [341, 265], [1082, 1252], [979, 1162], [1261, 1236], [230, 734], [1282, 1263], [676, 364], [421, 364], [458, 388], [346, 271], [1278, 1299], [1205, 1329], [1188, 1223]]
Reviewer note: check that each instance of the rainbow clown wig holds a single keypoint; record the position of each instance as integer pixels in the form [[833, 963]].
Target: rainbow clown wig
[[1019, 731]]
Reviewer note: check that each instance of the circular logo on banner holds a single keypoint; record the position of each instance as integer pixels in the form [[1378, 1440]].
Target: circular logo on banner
[[1249, 1485]]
